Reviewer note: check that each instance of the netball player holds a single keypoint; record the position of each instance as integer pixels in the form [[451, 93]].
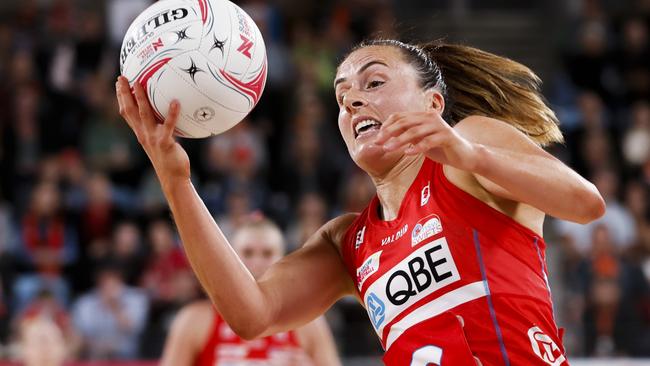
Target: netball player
[[448, 258], [200, 337]]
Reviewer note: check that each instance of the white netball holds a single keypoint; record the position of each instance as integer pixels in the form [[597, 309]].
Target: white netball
[[207, 54]]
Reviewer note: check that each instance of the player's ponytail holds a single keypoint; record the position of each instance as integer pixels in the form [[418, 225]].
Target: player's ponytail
[[476, 82]]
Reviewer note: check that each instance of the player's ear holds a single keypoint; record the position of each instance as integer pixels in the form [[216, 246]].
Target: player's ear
[[434, 100]]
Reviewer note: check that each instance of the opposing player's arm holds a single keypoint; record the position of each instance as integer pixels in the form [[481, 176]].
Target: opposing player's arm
[[511, 166], [189, 331], [317, 341]]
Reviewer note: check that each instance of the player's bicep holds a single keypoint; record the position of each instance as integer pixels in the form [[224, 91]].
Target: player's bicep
[[305, 283], [499, 135]]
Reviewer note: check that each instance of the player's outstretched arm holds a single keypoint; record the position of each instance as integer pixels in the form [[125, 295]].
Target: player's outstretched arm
[[294, 291], [503, 160]]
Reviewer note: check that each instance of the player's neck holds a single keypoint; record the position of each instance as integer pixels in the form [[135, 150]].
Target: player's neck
[[392, 187]]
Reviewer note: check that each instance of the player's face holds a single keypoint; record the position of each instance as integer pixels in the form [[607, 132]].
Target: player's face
[[371, 84], [258, 249]]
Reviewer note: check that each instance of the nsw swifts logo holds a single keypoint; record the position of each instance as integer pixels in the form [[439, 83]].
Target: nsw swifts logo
[[425, 229], [545, 347]]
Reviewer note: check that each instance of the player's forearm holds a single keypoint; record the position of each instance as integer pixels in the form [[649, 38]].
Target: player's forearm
[[542, 182], [224, 277]]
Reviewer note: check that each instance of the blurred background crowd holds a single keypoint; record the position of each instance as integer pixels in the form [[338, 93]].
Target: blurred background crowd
[[86, 240]]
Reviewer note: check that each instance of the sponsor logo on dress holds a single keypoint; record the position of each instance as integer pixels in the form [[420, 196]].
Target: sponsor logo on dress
[[545, 348], [395, 236], [426, 270], [376, 309], [425, 194], [359, 241], [426, 228], [370, 266]]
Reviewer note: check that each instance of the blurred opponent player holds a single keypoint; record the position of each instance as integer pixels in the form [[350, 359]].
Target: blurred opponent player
[[200, 337]]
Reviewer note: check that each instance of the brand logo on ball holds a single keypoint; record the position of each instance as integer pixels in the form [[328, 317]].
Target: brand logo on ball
[[426, 270], [245, 47], [545, 347], [376, 310], [243, 23], [370, 266], [204, 114], [425, 229], [136, 37]]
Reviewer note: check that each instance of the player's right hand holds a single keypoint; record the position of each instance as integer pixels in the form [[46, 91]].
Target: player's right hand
[[167, 156]]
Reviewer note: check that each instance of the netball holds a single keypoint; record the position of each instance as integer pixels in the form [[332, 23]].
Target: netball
[[207, 54]]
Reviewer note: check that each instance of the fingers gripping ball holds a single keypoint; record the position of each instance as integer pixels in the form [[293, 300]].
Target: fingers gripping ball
[[207, 54]]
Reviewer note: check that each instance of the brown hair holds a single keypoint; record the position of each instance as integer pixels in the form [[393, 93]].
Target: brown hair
[[475, 82]]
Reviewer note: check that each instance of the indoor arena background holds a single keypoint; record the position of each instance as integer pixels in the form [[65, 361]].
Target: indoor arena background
[[65, 150]]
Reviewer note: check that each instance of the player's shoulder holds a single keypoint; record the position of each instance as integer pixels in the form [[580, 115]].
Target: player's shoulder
[[335, 229], [192, 325], [197, 313], [333, 232]]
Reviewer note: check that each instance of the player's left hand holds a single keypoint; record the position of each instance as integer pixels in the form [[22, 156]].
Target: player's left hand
[[427, 133]]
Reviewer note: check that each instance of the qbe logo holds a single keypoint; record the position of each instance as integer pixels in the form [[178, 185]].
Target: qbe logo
[[426, 270], [545, 347], [376, 310]]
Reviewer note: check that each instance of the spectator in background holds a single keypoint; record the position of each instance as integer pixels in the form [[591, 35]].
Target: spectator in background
[[47, 245], [617, 219], [615, 296], [311, 215], [128, 251], [106, 144], [238, 207], [593, 143], [589, 64], [357, 191], [99, 211], [636, 199], [111, 317], [168, 281], [636, 142], [240, 157], [42, 343], [631, 59], [45, 306], [6, 239], [166, 262]]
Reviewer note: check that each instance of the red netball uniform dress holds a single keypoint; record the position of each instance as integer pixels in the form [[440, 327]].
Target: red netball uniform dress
[[451, 279], [225, 348]]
